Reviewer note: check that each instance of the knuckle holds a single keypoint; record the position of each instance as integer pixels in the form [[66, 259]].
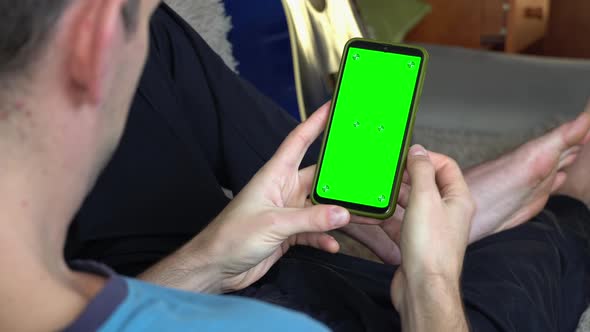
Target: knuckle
[[422, 165], [317, 218], [450, 164], [320, 219], [301, 137], [416, 160], [453, 163]]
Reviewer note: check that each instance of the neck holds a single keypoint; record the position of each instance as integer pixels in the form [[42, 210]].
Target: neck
[[37, 207], [34, 215]]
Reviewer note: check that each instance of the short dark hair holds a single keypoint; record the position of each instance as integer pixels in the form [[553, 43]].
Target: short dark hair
[[26, 25], [131, 15], [24, 30]]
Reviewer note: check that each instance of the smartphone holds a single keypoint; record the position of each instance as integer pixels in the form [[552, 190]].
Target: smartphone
[[367, 136]]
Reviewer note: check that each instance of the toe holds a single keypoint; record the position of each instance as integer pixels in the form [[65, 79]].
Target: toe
[[576, 131], [560, 178], [567, 161], [574, 150]]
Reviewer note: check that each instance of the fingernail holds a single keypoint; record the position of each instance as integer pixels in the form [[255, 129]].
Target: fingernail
[[338, 216], [418, 150]]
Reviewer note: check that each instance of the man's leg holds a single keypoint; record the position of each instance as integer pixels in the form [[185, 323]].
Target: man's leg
[[515, 187], [535, 277], [578, 182]]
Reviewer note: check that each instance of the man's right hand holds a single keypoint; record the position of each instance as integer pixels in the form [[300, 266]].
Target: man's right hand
[[434, 236], [259, 225]]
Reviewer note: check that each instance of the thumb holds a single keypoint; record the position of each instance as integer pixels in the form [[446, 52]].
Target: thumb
[[421, 171], [318, 218]]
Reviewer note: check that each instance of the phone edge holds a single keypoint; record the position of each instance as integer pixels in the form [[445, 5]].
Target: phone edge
[[399, 173]]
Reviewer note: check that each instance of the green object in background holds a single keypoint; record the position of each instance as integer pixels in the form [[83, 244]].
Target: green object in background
[[391, 20], [372, 116]]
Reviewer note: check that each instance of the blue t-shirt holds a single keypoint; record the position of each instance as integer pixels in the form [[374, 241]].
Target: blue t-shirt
[[131, 305]]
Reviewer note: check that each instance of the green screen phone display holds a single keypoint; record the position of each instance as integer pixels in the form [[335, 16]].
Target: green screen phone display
[[368, 127]]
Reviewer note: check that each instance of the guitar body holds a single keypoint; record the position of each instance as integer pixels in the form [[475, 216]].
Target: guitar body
[[318, 30]]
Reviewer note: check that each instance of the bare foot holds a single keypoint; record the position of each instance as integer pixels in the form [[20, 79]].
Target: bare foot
[[577, 184], [515, 187], [508, 191]]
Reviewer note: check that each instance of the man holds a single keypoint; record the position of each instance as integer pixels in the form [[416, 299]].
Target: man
[[68, 80], [69, 69], [195, 127]]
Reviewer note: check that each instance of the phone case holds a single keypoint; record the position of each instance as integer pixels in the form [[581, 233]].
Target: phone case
[[405, 147]]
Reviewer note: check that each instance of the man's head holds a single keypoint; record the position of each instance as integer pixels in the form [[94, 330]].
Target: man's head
[[68, 72], [24, 29]]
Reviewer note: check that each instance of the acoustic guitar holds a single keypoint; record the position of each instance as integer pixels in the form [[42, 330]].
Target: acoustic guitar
[[318, 30]]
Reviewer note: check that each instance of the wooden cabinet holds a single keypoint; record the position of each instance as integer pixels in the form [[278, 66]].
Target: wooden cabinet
[[509, 25], [493, 18], [450, 22], [569, 28], [526, 24]]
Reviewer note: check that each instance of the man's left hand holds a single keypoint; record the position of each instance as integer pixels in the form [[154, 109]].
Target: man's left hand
[[381, 236]]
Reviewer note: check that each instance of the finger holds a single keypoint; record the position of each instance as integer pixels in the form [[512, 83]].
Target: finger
[[406, 178], [392, 256], [375, 239], [306, 176], [438, 159], [318, 218], [449, 177], [292, 150], [320, 241], [364, 220], [404, 195], [372, 221], [393, 226], [421, 170]]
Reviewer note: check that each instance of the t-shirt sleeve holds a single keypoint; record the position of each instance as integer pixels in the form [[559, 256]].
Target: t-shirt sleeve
[[153, 308]]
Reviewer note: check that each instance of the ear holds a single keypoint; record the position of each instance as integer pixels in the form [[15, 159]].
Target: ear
[[95, 35]]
